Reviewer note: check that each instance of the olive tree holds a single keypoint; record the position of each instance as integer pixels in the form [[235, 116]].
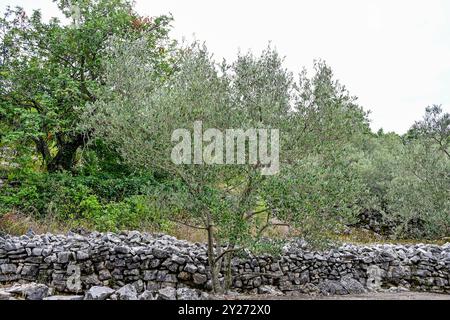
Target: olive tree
[[407, 178], [234, 202], [435, 128], [420, 194]]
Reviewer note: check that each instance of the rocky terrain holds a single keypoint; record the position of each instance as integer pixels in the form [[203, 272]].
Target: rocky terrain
[[36, 291], [133, 265]]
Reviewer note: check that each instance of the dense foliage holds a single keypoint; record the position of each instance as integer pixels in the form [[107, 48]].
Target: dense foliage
[[50, 70], [409, 177]]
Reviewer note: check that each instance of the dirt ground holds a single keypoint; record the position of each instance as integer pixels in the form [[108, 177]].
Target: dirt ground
[[367, 296]]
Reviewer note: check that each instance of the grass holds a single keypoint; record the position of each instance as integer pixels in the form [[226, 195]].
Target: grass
[[15, 223], [364, 236]]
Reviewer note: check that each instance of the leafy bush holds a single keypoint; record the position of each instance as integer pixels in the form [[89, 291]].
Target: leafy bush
[[105, 204], [409, 183]]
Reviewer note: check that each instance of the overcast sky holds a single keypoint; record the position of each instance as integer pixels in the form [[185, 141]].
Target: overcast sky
[[392, 54]]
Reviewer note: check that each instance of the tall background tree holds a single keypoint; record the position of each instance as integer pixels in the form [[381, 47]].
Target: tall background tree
[[408, 178], [50, 70], [315, 191]]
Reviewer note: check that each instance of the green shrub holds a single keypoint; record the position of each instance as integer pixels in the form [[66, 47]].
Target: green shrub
[[102, 203]]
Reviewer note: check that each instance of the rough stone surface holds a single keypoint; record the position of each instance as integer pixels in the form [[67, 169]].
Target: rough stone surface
[[189, 294], [30, 291], [147, 295], [98, 293], [332, 287], [98, 264], [200, 278], [269, 290], [5, 295], [38, 292], [127, 292], [167, 293], [352, 286], [64, 298]]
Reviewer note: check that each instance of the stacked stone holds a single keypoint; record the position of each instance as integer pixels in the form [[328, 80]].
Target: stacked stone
[[73, 264], [35, 291]]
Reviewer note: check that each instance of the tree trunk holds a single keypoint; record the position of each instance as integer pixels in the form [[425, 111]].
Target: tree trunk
[[228, 273], [42, 148], [212, 256], [65, 158]]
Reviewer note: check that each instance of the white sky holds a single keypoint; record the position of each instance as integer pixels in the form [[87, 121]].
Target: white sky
[[393, 54]]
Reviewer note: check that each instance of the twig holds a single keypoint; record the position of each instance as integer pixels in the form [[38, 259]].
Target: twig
[[227, 251]]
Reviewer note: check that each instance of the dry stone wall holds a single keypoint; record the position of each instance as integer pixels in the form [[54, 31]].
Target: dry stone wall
[[73, 263]]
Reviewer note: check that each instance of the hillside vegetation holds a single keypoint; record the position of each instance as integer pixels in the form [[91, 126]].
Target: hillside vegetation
[[88, 107]]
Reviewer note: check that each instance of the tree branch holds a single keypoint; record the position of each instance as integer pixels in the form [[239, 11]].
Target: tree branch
[[226, 252], [251, 214]]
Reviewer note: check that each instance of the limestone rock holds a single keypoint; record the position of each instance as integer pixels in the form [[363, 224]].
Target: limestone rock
[[352, 286], [30, 291], [98, 293], [167, 293], [199, 278], [127, 292], [188, 294], [64, 298], [330, 287], [270, 290], [148, 295]]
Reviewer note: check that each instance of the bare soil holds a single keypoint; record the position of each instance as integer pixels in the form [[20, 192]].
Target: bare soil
[[366, 296]]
